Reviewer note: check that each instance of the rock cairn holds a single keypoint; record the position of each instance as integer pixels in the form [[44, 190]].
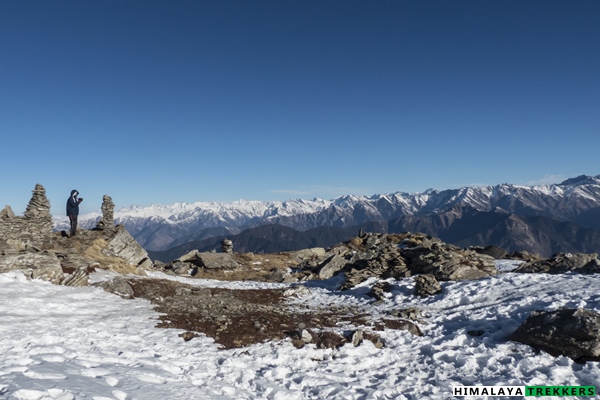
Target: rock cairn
[[108, 213], [39, 206], [227, 246]]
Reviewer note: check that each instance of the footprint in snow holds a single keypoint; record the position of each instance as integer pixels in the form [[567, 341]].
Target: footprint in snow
[[151, 378], [39, 375]]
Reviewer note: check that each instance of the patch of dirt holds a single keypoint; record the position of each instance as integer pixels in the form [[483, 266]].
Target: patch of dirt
[[255, 267], [238, 318]]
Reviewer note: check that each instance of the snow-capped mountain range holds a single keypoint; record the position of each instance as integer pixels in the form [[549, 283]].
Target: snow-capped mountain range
[[159, 227]]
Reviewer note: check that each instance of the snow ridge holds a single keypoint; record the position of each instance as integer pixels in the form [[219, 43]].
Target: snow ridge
[[159, 226]]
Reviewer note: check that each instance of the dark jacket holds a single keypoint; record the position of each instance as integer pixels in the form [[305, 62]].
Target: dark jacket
[[73, 203]]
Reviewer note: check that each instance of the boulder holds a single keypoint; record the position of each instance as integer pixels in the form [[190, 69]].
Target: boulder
[[523, 255], [77, 278], [124, 246], [332, 266], [426, 285], [315, 253], [496, 252], [7, 213], [34, 265], [190, 257], [118, 286], [379, 290], [574, 333]]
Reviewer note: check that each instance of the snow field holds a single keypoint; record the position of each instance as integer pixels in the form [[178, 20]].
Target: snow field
[[82, 343]]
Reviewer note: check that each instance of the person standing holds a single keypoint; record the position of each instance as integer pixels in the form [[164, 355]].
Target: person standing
[[73, 210]]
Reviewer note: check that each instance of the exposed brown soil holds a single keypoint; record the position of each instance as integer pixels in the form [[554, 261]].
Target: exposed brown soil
[[254, 267], [237, 318]]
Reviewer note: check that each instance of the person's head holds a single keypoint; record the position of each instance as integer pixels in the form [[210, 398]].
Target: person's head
[[74, 193]]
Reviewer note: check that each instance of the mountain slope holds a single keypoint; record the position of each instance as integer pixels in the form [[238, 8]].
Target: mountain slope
[[160, 227]]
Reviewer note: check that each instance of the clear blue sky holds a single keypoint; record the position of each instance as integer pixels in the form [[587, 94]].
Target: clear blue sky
[[169, 101]]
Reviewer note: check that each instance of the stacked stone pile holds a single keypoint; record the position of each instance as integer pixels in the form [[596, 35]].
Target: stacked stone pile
[[227, 246], [39, 206], [33, 231], [108, 213]]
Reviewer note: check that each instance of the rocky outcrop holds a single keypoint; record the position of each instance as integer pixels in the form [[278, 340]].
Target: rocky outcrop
[[448, 262], [574, 333], [35, 266], [564, 262], [401, 255], [122, 245], [28, 244]]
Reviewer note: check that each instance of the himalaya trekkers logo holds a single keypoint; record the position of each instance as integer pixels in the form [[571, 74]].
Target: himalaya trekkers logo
[[534, 391]]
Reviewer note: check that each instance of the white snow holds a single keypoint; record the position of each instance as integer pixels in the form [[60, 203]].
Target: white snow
[[66, 343]]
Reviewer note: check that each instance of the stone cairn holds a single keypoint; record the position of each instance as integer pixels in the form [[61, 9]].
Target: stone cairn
[[108, 213], [39, 206], [227, 246]]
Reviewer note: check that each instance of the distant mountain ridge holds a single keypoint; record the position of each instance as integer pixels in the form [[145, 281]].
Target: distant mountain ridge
[[159, 227]]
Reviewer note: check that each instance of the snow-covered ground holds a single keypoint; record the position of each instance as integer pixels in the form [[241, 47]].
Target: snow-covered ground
[[82, 343]]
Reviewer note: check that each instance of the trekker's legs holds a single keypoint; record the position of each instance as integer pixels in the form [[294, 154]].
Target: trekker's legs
[[73, 221]]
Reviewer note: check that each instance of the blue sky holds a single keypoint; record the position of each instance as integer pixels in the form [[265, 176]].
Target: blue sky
[[162, 101]]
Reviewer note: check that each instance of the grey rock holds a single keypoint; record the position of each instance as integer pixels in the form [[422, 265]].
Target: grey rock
[[593, 267], [449, 263], [561, 263], [297, 291], [332, 266], [427, 285], [7, 213], [411, 314], [191, 257], [495, 252], [574, 333], [77, 278], [34, 265], [124, 246], [357, 338], [305, 336], [379, 290], [315, 253], [118, 286]]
